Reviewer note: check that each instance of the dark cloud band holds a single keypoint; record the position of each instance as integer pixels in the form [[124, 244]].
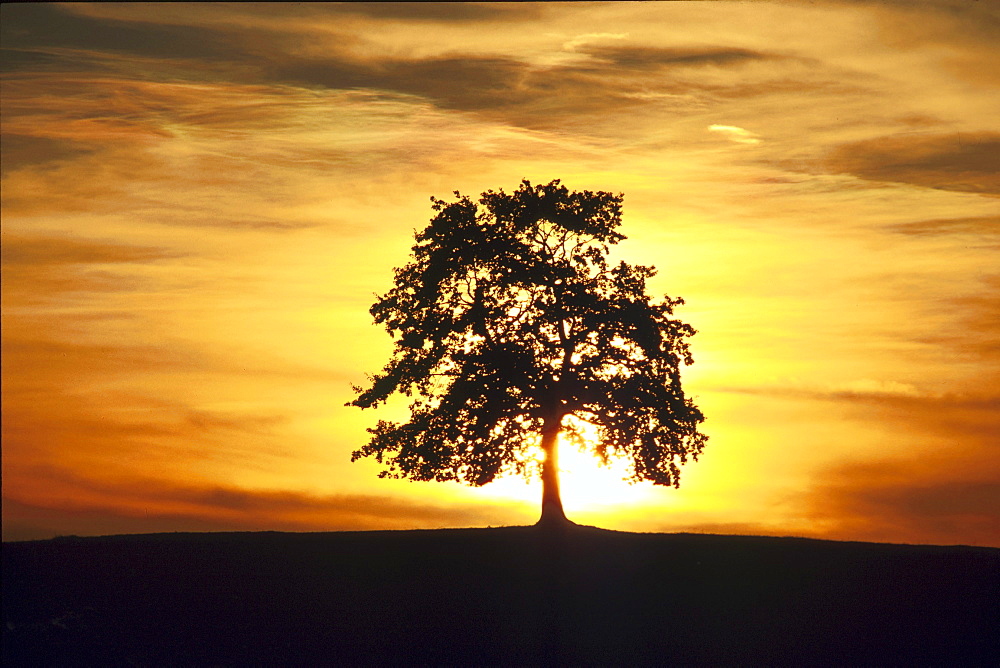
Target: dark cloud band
[[959, 162]]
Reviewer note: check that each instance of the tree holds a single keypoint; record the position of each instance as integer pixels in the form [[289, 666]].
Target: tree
[[510, 327]]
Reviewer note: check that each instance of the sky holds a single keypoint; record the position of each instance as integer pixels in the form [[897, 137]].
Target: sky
[[201, 201]]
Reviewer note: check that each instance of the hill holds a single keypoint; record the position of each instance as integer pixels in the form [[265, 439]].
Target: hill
[[507, 596]]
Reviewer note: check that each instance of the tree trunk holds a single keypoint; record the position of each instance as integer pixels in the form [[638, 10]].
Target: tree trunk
[[552, 509]]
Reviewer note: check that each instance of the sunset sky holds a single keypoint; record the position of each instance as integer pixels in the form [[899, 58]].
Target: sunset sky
[[201, 201]]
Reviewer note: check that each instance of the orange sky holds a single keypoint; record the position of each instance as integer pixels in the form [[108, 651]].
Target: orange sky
[[201, 201]]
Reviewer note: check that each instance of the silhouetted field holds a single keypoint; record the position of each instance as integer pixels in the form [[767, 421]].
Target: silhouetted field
[[516, 596]]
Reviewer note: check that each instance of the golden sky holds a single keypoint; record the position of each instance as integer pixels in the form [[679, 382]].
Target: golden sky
[[201, 201]]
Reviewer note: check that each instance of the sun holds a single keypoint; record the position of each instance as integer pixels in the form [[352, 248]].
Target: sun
[[586, 484]]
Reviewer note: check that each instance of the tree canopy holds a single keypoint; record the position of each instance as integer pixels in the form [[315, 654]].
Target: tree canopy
[[508, 319]]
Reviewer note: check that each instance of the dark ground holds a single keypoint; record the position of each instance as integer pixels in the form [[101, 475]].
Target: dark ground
[[515, 596]]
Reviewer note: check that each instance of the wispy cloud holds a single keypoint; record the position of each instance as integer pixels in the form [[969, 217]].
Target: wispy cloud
[[654, 57], [40, 270], [35, 251], [987, 226], [735, 134], [516, 88], [82, 505], [32, 25], [962, 162], [906, 502], [442, 11], [591, 37]]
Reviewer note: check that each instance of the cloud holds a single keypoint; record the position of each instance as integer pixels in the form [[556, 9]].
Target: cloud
[[128, 111], [959, 425], [31, 25], [89, 506], [973, 225], [534, 96], [883, 388], [961, 162], [495, 88], [19, 61], [459, 82], [253, 13], [888, 392], [587, 38], [240, 44], [656, 57], [182, 153], [25, 151], [489, 84], [735, 134], [962, 36], [91, 415], [34, 251], [43, 269], [447, 12], [258, 48], [27, 521], [972, 327], [979, 226], [908, 502]]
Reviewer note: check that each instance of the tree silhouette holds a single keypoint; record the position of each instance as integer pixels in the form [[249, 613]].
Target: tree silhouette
[[508, 319]]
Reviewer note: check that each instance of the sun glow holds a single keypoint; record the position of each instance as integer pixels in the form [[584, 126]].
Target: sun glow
[[586, 484], [589, 485]]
